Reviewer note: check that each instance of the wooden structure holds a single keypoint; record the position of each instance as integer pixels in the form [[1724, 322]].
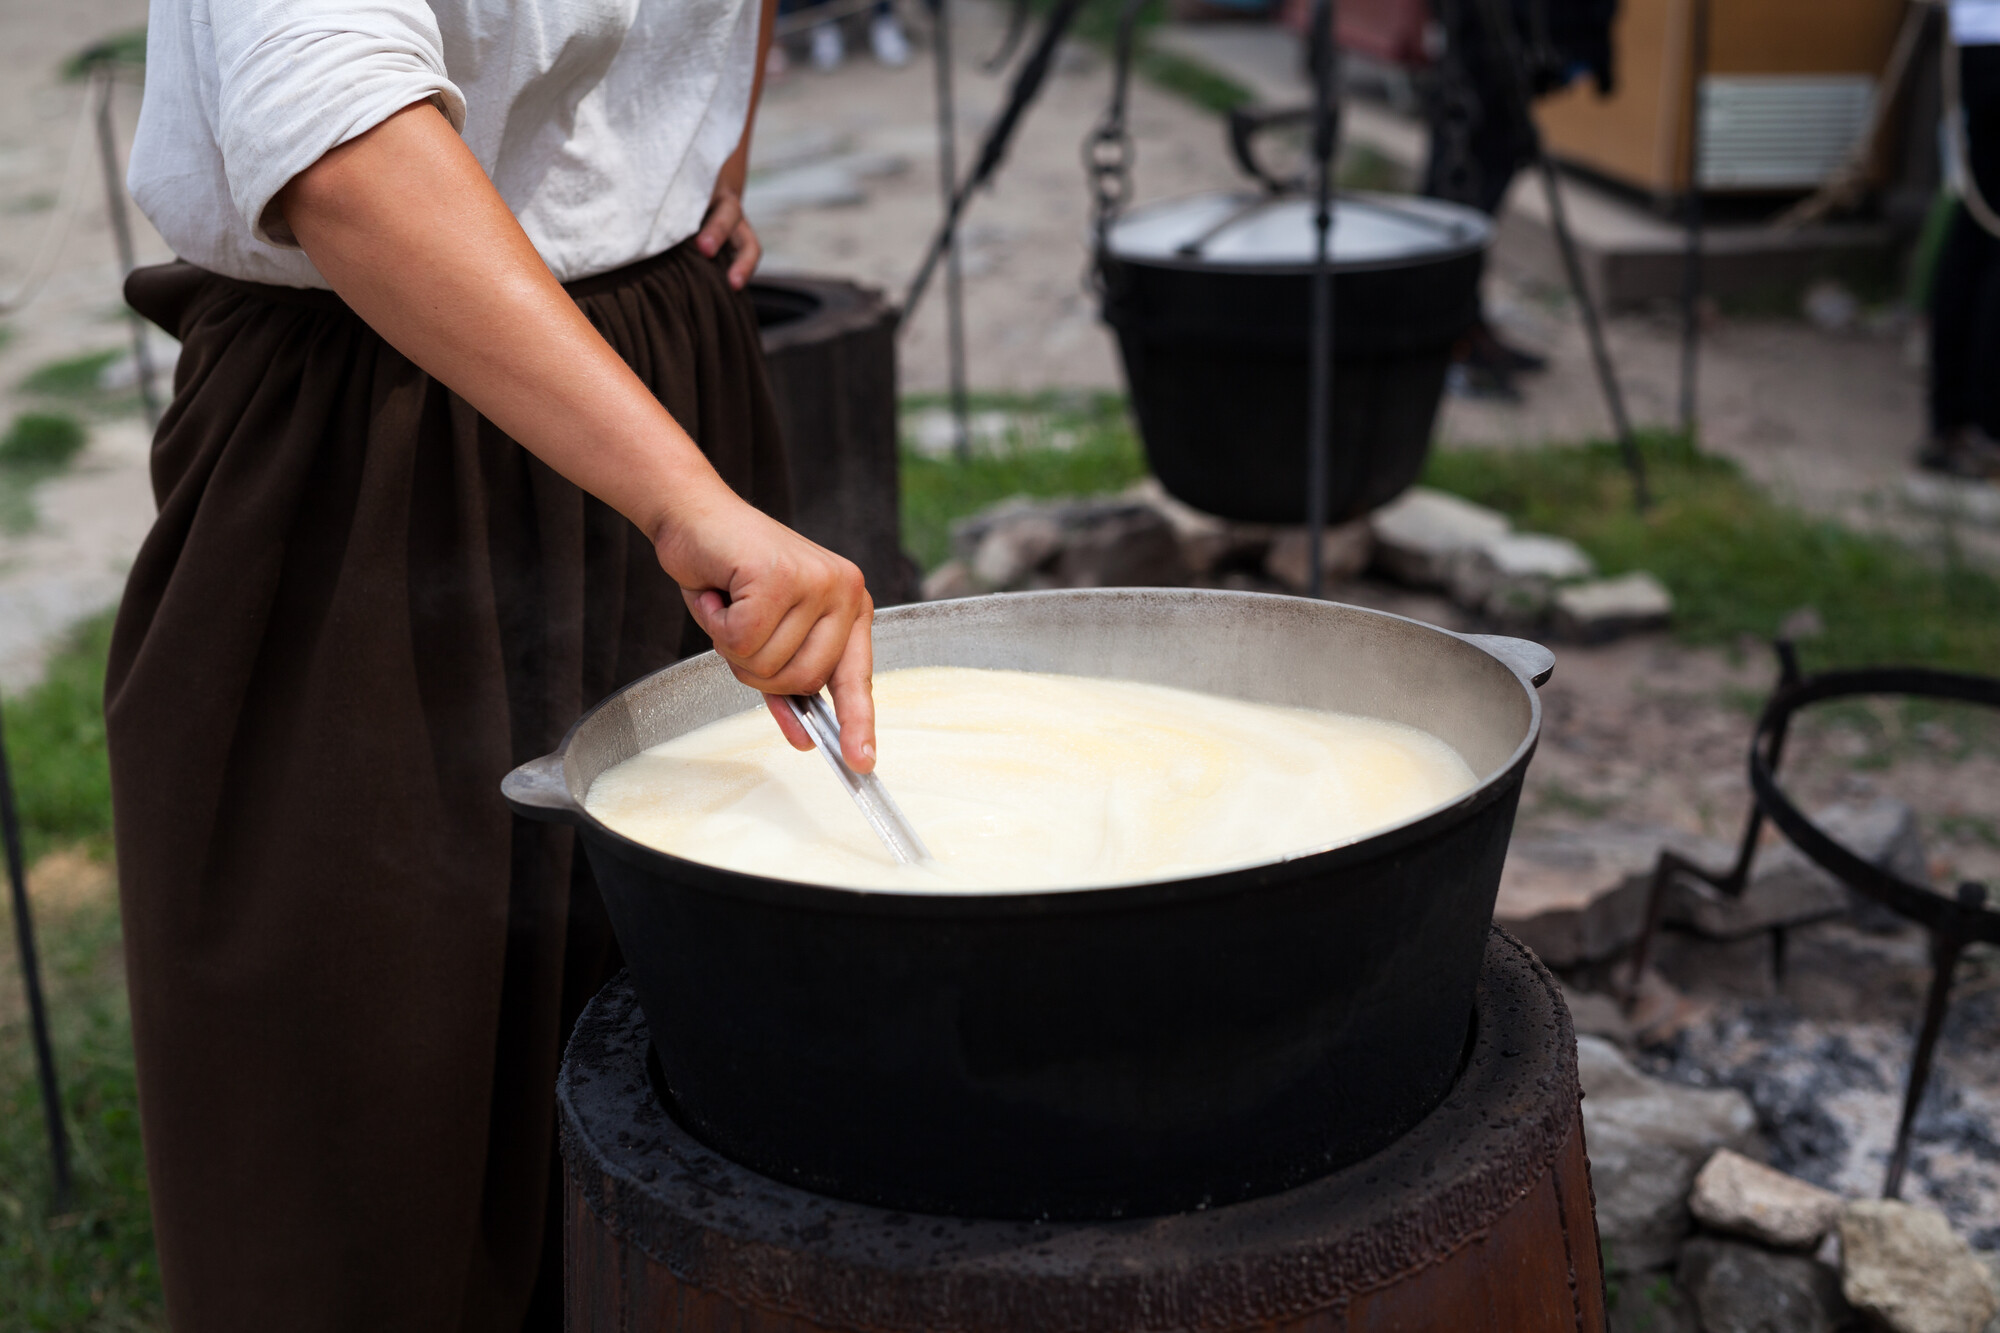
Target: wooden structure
[[1788, 88], [1480, 1218], [831, 350]]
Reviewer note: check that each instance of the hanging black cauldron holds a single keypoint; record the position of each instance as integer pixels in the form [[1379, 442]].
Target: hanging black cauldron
[[1210, 296]]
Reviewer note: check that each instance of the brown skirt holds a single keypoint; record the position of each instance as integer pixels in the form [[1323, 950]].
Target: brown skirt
[[351, 969]]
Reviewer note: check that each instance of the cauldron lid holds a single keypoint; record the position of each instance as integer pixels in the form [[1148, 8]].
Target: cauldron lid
[[1237, 230]]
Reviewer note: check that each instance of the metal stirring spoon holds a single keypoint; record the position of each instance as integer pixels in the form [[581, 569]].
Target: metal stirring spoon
[[877, 807]]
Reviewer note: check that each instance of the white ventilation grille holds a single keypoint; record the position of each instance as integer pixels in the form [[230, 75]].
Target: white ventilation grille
[[1780, 131]]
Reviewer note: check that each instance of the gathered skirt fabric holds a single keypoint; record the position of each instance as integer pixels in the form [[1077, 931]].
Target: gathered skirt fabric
[[351, 967]]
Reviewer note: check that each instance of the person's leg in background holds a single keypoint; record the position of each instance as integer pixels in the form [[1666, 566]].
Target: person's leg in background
[[1965, 297]]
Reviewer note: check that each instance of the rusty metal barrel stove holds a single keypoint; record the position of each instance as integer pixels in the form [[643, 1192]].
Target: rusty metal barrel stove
[[1479, 1218]]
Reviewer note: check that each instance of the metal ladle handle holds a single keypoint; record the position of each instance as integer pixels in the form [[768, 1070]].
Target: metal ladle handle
[[877, 807]]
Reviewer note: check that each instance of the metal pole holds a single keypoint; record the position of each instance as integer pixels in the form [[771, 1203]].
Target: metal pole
[[954, 274], [31, 979], [121, 231], [1319, 415], [1500, 30], [1691, 274]]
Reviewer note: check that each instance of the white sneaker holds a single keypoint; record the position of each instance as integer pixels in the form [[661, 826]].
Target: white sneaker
[[828, 47], [885, 37]]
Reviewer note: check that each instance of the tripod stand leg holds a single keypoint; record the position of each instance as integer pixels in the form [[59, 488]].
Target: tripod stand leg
[[1593, 329], [954, 273], [1945, 950], [31, 979], [1498, 22]]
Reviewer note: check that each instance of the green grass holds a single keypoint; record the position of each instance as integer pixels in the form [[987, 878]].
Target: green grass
[[1061, 446], [1737, 561], [1190, 79], [124, 48], [36, 447], [73, 377], [92, 1267], [55, 741], [41, 440]]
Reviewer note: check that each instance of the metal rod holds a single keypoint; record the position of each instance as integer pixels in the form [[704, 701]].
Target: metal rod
[[1319, 415], [1028, 81], [1691, 259], [121, 231], [1500, 30], [31, 980], [869, 794], [1946, 946], [954, 271]]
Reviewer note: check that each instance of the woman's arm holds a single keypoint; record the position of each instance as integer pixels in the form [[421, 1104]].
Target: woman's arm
[[405, 226]]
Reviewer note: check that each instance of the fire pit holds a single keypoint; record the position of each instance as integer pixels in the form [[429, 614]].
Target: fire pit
[[1479, 1217], [1953, 921]]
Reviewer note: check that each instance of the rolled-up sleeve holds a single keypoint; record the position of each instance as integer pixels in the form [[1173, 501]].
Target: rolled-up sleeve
[[298, 77]]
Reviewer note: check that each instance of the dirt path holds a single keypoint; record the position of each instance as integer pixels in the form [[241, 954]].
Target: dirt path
[[72, 562]]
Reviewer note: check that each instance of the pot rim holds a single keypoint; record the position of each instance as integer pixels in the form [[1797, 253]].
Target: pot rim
[[1527, 662], [1300, 268]]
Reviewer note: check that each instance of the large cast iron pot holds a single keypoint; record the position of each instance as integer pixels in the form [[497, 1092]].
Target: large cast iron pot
[[1139, 1049], [1210, 298]]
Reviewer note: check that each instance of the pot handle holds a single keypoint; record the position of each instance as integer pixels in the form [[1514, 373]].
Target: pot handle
[[1529, 659], [538, 790]]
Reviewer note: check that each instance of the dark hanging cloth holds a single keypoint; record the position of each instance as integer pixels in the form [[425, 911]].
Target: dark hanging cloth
[[351, 969], [1478, 138]]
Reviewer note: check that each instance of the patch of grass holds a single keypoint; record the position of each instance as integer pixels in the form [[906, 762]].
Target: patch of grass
[[1064, 446], [72, 377], [55, 740], [41, 440], [124, 48], [36, 447], [93, 1267], [1097, 23], [1189, 79], [1969, 828], [1737, 561]]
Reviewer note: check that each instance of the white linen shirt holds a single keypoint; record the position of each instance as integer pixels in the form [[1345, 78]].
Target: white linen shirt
[[602, 123]]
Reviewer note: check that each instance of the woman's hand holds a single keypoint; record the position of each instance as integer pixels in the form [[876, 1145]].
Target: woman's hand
[[726, 225], [787, 615]]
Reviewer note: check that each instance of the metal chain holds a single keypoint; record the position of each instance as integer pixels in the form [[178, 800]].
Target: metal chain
[[1108, 153]]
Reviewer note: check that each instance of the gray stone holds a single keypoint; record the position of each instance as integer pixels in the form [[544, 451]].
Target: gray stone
[[948, 580], [1128, 547], [1601, 609], [1512, 578], [1012, 549], [1961, 498], [1646, 1139], [1418, 533], [1903, 1266], [1344, 552], [1578, 896], [1745, 1198], [1116, 542], [1738, 1288], [1787, 888], [1208, 543]]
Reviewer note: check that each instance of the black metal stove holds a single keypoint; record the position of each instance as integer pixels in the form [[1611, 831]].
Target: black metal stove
[[1953, 922]]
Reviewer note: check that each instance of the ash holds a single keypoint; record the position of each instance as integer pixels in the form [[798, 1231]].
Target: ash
[[1824, 1060]]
